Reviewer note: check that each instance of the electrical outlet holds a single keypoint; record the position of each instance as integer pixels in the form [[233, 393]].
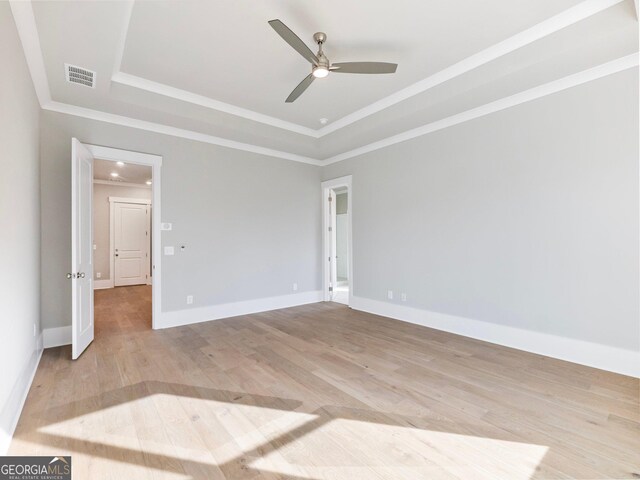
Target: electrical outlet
[[295, 287], [168, 250], [98, 275], [403, 297], [390, 294], [189, 299]]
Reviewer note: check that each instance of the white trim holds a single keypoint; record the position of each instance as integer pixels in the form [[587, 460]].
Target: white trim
[[103, 284], [600, 71], [27, 29], [155, 161], [126, 156], [207, 102], [12, 408], [325, 186], [56, 337], [226, 310], [138, 201], [28, 32], [173, 131], [545, 28], [121, 184], [534, 93], [112, 235], [626, 362]]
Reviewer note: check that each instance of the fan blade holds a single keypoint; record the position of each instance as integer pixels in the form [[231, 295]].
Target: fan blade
[[364, 67], [302, 86], [293, 40]]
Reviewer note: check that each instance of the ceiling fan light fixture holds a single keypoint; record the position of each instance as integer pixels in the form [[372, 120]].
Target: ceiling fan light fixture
[[320, 72]]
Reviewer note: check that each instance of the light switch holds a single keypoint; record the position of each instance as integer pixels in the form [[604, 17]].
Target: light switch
[[168, 250]]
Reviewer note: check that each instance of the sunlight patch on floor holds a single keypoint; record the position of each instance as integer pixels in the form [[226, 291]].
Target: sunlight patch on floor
[[171, 428], [370, 450]]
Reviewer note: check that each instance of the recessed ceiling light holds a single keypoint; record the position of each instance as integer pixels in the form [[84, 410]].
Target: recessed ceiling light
[[114, 174], [120, 164], [148, 182], [324, 121]]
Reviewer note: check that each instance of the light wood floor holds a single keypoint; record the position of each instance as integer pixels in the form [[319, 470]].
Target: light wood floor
[[320, 392]]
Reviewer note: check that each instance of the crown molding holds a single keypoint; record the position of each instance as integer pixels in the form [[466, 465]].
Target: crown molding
[[200, 100], [27, 30], [609, 68], [534, 93], [173, 131], [547, 27]]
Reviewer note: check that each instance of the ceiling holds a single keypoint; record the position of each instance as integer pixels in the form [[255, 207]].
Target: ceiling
[[127, 173], [216, 69]]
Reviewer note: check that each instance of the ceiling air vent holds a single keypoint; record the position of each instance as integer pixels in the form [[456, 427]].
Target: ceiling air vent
[[81, 76]]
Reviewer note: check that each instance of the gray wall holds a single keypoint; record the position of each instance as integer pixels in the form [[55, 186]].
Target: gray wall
[[20, 220], [256, 246], [527, 217], [101, 221]]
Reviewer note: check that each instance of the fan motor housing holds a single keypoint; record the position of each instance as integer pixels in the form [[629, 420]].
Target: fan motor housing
[[320, 37]]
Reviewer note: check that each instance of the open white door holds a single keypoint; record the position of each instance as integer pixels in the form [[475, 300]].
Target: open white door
[[333, 260], [81, 248], [131, 242]]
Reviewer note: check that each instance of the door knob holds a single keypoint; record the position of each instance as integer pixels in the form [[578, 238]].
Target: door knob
[[80, 275], [71, 275]]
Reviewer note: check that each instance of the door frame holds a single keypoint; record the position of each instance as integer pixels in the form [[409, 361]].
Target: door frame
[[155, 162], [112, 233], [325, 188]]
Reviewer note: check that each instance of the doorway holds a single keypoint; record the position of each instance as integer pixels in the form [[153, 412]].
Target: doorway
[[337, 240], [116, 224]]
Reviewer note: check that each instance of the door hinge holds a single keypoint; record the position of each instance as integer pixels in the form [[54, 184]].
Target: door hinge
[[329, 258], [331, 229], [331, 289], [330, 199]]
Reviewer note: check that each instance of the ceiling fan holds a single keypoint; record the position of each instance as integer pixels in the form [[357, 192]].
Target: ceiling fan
[[320, 65]]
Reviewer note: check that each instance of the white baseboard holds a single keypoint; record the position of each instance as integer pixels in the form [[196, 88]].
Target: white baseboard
[[101, 284], [55, 337], [226, 310], [613, 359], [13, 407]]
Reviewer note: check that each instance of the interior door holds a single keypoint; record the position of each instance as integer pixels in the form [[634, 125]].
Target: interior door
[[81, 248], [131, 244]]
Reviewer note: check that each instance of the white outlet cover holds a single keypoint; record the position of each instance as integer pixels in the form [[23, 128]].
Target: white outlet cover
[[390, 294], [168, 250], [189, 299], [295, 287], [98, 275]]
